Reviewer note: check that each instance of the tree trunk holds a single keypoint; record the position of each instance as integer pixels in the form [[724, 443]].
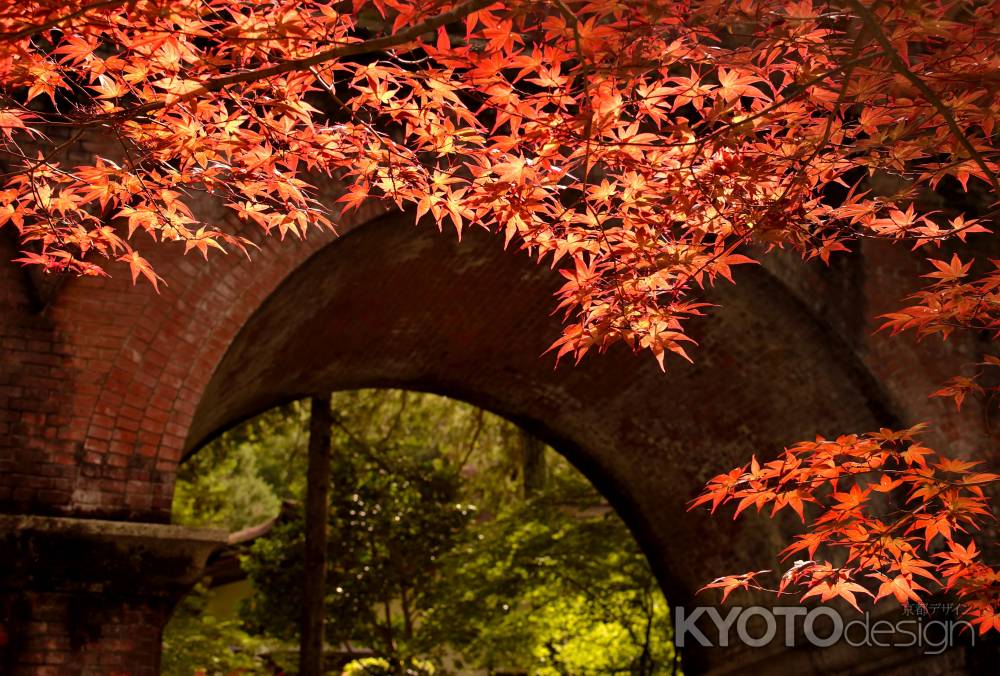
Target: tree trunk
[[404, 602], [317, 508], [532, 464]]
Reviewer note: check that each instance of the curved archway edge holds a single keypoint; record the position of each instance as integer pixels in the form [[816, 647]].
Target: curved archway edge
[[105, 390], [388, 305]]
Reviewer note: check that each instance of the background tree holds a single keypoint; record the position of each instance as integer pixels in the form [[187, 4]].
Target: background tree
[[315, 517], [392, 517], [554, 585], [241, 478]]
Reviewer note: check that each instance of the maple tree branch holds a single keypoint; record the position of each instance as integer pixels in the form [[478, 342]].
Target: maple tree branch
[[304, 63], [800, 174], [35, 29], [872, 24], [588, 132], [801, 90]]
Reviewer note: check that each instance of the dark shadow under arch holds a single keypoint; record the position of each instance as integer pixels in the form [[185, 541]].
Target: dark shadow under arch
[[390, 305]]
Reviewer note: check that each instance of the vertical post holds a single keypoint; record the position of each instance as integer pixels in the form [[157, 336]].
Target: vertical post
[[532, 464], [317, 507]]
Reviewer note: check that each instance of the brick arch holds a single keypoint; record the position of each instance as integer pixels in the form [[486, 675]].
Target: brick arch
[[108, 385], [100, 381], [392, 306], [103, 386]]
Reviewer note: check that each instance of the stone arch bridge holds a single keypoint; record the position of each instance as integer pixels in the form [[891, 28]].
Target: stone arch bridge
[[105, 387]]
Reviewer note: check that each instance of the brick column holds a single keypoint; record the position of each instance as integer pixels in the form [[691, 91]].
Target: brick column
[[81, 597]]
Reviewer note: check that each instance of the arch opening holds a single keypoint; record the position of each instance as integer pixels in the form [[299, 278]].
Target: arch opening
[[464, 529]]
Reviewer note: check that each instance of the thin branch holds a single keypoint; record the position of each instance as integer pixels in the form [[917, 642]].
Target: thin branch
[[34, 29], [473, 439], [304, 63], [872, 24]]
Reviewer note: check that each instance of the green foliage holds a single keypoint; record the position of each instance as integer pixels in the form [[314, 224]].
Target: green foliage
[[395, 510], [195, 641], [434, 550], [275, 567], [241, 478], [553, 587], [386, 531], [378, 666]]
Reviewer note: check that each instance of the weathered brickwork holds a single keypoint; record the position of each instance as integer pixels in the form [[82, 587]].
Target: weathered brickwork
[[50, 642], [85, 597], [99, 386]]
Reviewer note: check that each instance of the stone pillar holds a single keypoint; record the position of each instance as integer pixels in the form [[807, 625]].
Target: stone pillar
[[81, 597]]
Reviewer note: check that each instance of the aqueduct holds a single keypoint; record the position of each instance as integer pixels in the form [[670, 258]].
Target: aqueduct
[[105, 387]]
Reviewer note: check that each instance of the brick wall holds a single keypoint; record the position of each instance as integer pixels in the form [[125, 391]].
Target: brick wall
[[51, 634], [99, 386]]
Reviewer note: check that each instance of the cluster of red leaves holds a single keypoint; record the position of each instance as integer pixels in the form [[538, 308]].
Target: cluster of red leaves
[[642, 142], [953, 301], [959, 387], [885, 511], [639, 145]]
